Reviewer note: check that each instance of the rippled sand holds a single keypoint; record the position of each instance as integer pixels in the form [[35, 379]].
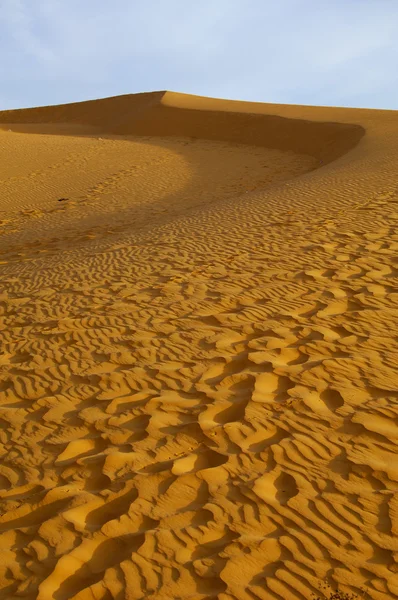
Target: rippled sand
[[199, 348]]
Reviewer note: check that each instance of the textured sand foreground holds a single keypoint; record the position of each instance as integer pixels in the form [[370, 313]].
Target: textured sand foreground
[[199, 348]]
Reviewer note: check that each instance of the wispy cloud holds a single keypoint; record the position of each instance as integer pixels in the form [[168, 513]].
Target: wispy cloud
[[18, 28], [300, 51]]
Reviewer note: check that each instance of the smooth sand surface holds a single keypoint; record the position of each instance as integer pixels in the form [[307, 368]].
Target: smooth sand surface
[[199, 349]]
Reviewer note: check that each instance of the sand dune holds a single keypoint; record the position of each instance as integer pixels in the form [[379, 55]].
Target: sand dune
[[198, 368]]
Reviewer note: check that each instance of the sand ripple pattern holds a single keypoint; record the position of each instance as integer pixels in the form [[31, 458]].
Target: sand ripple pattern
[[208, 410]]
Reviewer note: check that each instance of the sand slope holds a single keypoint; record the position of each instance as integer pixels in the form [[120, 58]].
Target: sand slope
[[198, 368]]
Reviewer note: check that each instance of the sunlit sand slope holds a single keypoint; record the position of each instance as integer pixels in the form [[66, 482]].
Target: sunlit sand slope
[[198, 368]]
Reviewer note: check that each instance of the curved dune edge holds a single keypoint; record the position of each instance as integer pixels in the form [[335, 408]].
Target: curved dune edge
[[175, 114], [127, 183], [206, 410]]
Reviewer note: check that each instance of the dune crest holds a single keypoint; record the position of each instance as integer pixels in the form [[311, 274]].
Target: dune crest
[[198, 368], [174, 114]]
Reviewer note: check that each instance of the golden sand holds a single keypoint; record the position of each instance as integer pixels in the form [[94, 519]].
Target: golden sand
[[199, 348]]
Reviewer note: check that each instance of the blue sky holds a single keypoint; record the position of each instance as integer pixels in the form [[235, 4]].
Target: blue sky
[[325, 52]]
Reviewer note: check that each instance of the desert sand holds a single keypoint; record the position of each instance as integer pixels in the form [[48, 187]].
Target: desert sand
[[199, 349]]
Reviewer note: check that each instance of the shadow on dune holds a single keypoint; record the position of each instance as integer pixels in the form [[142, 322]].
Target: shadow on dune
[[170, 114], [159, 115]]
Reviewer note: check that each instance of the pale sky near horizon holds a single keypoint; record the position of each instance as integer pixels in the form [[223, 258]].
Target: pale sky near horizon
[[325, 52]]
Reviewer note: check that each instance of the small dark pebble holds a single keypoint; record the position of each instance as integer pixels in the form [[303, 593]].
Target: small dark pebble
[[62, 199]]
